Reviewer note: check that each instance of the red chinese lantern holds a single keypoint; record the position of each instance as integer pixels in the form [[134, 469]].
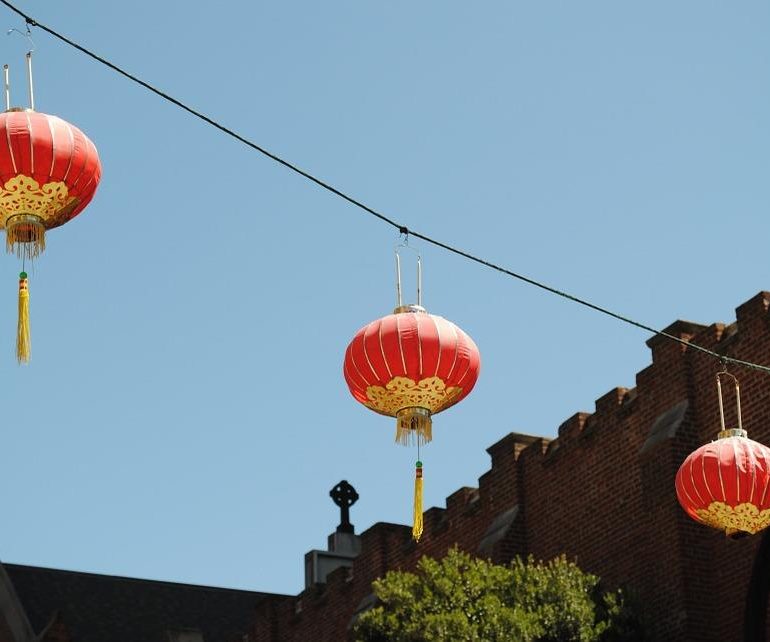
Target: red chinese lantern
[[411, 365], [726, 484], [49, 172]]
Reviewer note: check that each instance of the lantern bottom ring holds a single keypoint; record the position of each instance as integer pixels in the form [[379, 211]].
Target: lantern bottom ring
[[413, 425], [24, 235]]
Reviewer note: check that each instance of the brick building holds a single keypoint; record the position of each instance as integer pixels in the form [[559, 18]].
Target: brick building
[[601, 492]]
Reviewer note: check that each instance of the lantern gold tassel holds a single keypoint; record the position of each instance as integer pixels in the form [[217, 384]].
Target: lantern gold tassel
[[413, 424], [23, 344], [417, 525]]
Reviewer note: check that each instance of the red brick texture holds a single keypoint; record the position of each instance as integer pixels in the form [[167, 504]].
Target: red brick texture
[[600, 492]]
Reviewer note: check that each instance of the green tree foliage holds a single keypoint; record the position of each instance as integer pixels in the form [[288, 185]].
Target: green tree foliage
[[461, 598]]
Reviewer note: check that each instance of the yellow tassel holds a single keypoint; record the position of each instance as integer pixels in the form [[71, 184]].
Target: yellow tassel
[[417, 526], [23, 344]]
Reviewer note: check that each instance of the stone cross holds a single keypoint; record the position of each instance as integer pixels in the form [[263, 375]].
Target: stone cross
[[344, 495]]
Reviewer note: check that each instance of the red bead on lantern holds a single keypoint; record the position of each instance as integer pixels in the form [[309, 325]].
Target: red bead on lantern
[[726, 484]]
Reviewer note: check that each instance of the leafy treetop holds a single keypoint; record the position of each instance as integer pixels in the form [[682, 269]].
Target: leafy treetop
[[460, 598]]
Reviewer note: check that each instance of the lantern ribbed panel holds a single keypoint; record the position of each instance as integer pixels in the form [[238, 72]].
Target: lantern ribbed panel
[[47, 150], [726, 484], [411, 359]]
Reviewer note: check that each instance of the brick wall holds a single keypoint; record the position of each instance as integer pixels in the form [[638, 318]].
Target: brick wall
[[601, 492]]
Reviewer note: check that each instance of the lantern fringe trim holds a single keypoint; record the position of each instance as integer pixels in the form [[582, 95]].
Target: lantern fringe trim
[[413, 425], [25, 236], [23, 342], [417, 524]]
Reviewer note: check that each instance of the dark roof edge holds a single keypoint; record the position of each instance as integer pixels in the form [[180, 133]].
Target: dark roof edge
[[138, 579]]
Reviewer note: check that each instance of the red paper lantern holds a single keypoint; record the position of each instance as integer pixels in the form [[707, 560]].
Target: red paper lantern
[[49, 172], [726, 484], [411, 365]]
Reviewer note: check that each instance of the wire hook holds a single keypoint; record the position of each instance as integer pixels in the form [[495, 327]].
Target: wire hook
[[27, 35]]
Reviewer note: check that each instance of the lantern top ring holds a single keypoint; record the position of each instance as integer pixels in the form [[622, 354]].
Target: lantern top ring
[[409, 307], [732, 432]]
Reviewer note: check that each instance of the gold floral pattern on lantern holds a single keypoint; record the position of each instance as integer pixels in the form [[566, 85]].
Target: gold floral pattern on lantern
[[743, 517], [24, 195], [402, 392]]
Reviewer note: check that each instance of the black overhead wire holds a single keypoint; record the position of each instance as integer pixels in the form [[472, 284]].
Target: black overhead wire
[[403, 229]]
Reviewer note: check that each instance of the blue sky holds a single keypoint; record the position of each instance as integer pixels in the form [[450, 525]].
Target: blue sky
[[184, 415]]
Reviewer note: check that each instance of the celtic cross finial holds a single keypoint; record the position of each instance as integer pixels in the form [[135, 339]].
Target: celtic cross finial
[[344, 495]]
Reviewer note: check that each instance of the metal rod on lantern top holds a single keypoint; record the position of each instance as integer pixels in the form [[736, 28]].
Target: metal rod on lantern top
[[7, 85], [737, 400], [398, 280], [721, 405], [29, 81], [419, 280], [399, 288]]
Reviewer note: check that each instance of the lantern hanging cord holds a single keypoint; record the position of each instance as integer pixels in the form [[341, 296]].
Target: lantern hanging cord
[[27, 35], [402, 229]]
